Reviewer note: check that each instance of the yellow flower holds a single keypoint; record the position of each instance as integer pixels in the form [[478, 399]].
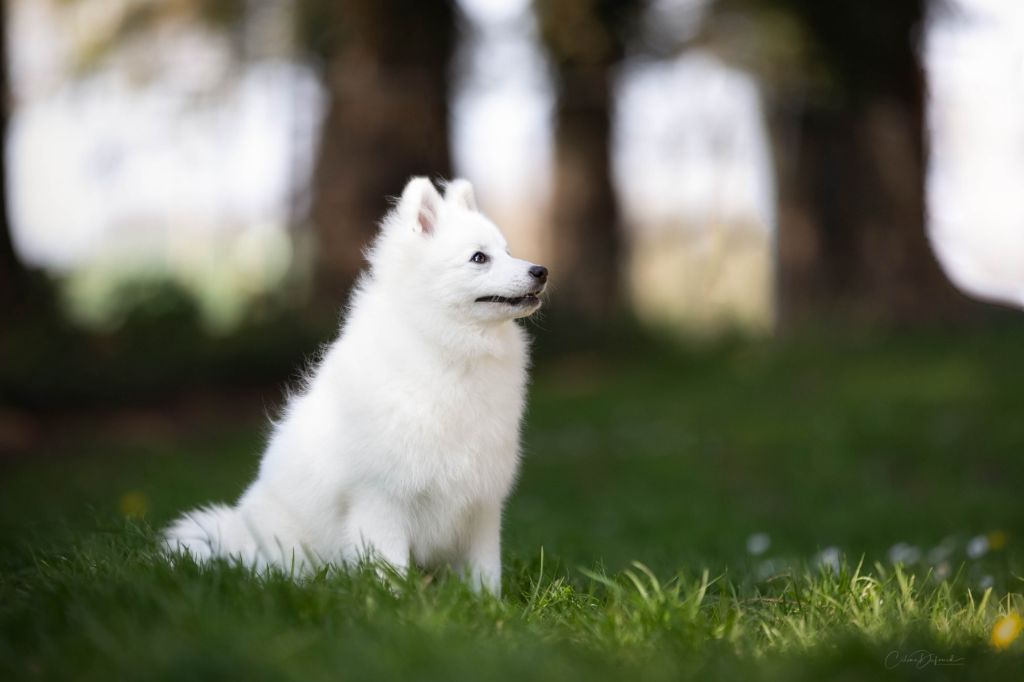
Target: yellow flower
[[997, 539], [134, 504], [1006, 630]]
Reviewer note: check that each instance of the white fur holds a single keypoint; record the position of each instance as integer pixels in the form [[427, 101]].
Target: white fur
[[404, 443]]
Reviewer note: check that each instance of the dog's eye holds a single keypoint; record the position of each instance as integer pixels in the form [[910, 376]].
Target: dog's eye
[[479, 257]]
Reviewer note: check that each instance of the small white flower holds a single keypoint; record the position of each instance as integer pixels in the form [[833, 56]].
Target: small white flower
[[977, 546], [985, 582], [758, 544], [902, 553], [943, 570], [829, 557]]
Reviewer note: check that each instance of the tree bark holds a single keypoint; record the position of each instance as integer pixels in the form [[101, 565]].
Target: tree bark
[[856, 234], [852, 224], [387, 120], [13, 276], [584, 40], [586, 236]]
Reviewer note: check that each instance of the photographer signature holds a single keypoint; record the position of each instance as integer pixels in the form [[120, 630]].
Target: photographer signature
[[920, 659]]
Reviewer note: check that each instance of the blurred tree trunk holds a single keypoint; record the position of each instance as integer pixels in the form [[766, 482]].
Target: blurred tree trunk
[[584, 39], [586, 237], [852, 224], [861, 180], [386, 71], [13, 275]]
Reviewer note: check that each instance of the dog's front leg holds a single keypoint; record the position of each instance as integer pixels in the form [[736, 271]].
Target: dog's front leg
[[483, 550], [377, 533]]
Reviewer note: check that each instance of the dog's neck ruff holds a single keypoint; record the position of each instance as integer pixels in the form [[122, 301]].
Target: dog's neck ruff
[[455, 337]]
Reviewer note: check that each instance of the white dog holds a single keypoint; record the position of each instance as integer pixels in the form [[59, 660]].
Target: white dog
[[404, 443]]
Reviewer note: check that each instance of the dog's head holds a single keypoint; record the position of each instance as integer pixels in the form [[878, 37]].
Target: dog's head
[[449, 254]]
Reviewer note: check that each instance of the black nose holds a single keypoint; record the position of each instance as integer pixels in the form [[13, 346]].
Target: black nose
[[539, 272]]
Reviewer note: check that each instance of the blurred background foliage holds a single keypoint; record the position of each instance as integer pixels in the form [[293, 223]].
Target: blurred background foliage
[[837, 234]]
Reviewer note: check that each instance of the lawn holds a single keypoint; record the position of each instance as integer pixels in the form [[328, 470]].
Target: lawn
[[821, 507]]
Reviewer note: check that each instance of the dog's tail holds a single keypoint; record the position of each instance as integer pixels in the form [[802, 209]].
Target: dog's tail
[[210, 532]]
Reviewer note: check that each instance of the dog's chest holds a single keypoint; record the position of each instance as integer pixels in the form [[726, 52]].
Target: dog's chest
[[451, 433]]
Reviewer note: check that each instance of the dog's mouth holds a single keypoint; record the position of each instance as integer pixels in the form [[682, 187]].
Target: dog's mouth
[[527, 299]]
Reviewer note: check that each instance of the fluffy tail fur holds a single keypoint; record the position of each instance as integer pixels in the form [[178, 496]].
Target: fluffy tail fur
[[219, 531], [208, 532]]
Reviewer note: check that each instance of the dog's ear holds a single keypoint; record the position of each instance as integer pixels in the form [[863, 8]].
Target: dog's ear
[[421, 201], [460, 193]]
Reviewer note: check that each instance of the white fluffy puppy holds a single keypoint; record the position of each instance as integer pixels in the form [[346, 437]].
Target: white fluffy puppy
[[404, 442]]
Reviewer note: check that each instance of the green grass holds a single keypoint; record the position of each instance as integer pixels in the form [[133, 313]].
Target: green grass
[[646, 470]]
